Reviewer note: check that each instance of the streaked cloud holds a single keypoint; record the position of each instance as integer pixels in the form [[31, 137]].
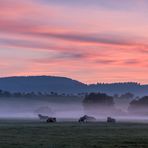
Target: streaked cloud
[[89, 40]]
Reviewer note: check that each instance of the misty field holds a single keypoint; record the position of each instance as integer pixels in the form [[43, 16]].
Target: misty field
[[33, 134]]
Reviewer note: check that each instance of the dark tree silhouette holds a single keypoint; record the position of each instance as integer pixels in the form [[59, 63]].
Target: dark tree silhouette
[[98, 102], [28, 94], [139, 106], [127, 96], [98, 99]]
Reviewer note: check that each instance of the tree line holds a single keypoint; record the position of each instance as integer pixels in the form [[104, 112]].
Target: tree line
[[31, 94], [95, 102]]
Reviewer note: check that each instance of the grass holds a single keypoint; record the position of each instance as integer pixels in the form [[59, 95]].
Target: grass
[[33, 134]]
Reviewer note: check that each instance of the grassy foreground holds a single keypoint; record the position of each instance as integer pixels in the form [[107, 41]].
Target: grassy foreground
[[72, 135]]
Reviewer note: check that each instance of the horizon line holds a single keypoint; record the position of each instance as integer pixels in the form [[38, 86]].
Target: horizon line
[[1, 77]]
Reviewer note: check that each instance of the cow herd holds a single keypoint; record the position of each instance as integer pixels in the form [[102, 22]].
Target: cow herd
[[83, 119]]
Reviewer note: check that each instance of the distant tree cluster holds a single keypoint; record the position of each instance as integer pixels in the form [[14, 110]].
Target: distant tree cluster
[[103, 103], [128, 96], [141, 102], [120, 83], [31, 94], [98, 103], [98, 99], [139, 106]]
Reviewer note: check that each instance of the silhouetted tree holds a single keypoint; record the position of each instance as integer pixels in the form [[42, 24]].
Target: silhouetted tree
[[98, 102], [98, 99], [127, 96], [139, 106]]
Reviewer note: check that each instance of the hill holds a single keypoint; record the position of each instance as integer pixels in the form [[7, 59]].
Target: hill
[[41, 84], [67, 85]]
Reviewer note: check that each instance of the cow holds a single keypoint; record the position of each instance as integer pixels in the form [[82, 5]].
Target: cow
[[111, 120], [86, 118], [51, 120]]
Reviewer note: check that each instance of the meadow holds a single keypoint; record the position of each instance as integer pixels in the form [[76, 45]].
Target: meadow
[[35, 134]]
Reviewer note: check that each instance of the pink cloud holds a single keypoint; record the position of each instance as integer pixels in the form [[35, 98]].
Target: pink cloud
[[83, 43]]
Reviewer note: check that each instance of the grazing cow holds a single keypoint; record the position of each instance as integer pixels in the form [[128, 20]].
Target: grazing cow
[[41, 117], [51, 120], [86, 118], [111, 120]]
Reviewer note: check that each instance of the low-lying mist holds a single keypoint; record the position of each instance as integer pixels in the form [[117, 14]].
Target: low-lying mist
[[30, 108], [70, 111]]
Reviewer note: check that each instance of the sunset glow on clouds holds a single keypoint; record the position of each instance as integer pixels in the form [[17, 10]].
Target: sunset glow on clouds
[[87, 40]]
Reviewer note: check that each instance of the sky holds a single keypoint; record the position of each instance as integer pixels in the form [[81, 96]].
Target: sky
[[87, 40]]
